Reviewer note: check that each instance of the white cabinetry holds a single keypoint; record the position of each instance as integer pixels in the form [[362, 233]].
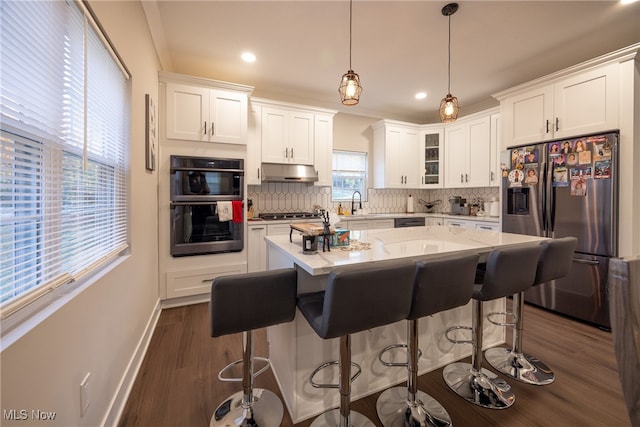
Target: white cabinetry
[[433, 220], [289, 133], [257, 248], [323, 149], [287, 136], [581, 103], [472, 224], [205, 113], [197, 281], [495, 173], [396, 146], [252, 169], [369, 224], [467, 153], [431, 156]]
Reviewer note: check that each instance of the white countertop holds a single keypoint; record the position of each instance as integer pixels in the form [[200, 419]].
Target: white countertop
[[411, 242], [256, 221]]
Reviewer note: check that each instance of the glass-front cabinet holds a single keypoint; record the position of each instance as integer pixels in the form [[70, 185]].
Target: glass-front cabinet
[[431, 157]]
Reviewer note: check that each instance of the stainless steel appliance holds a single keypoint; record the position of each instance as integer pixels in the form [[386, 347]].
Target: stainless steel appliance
[[200, 187], [409, 222], [568, 188]]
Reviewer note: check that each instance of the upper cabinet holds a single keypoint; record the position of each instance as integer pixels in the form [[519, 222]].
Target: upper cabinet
[[205, 113], [280, 132], [576, 104], [431, 154], [395, 155], [287, 136], [467, 159]]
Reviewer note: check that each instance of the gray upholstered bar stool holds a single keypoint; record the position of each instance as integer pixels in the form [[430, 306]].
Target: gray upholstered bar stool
[[506, 272], [555, 263], [355, 299], [440, 284], [242, 303]]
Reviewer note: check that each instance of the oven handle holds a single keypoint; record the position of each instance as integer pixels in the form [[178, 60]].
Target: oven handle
[[174, 170], [174, 204]]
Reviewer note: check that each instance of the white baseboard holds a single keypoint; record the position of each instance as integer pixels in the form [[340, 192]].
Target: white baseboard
[[119, 400]]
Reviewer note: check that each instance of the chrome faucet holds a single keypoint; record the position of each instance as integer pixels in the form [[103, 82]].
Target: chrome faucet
[[353, 207]]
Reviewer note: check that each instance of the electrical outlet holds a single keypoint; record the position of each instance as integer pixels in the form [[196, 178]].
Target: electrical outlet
[[85, 395]]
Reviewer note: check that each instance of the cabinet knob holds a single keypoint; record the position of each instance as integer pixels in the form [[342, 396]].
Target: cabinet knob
[[461, 178], [258, 173], [547, 126], [557, 124], [493, 176], [292, 152], [213, 128], [205, 127], [466, 178]]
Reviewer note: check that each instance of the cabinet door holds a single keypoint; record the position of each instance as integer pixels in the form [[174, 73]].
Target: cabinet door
[[459, 223], [257, 249], [409, 158], [275, 133], [379, 224], [528, 117], [478, 153], [228, 117], [393, 174], [323, 149], [587, 102], [494, 156], [254, 147], [487, 226], [431, 158], [455, 156], [187, 112], [300, 140]]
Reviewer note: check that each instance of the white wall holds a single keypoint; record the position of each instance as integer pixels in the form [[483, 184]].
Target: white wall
[[99, 330]]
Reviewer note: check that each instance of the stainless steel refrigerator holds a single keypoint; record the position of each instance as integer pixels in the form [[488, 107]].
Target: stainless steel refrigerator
[[565, 188]]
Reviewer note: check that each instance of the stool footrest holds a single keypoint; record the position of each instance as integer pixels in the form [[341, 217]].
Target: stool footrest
[[326, 365], [238, 362], [514, 318], [393, 347], [453, 329]]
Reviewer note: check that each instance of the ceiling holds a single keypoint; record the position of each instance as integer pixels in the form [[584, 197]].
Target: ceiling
[[399, 47]]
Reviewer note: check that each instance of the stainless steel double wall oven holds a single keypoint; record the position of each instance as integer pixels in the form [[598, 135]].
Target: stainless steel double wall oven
[[198, 185]]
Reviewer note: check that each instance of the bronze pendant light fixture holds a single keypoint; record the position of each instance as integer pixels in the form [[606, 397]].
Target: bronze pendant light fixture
[[449, 105], [350, 88]]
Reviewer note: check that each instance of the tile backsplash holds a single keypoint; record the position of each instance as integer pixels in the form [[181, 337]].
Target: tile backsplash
[[296, 197]]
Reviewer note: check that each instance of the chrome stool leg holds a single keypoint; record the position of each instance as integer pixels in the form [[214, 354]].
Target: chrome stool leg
[[408, 406], [512, 361], [249, 407], [342, 416], [474, 383]]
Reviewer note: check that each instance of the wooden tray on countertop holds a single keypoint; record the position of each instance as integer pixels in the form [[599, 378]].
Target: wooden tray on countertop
[[310, 229]]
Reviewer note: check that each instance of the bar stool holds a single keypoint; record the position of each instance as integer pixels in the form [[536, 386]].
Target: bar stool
[[242, 303], [355, 299], [506, 272], [555, 263], [440, 284]]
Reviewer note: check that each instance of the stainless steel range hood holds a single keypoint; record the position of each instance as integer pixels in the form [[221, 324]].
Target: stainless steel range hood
[[286, 172]]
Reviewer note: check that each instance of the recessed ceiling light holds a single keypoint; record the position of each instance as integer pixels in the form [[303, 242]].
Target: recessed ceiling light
[[628, 1], [421, 95], [248, 57]]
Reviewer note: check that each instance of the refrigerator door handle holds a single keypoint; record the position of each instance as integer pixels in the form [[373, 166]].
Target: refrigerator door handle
[[545, 185], [586, 261]]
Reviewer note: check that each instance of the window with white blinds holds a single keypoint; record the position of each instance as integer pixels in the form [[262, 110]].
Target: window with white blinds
[[349, 175], [64, 118]]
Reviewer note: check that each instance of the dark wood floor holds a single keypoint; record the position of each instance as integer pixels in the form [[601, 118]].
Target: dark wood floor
[[177, 384]]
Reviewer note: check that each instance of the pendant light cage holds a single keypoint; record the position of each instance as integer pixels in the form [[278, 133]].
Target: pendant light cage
[[449, 107], [350, 87]]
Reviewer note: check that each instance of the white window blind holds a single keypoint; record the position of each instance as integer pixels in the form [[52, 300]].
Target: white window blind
[[349, 174], [64, 118]]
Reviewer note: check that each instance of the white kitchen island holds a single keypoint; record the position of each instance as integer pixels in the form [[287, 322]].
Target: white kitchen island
[[295, 350]]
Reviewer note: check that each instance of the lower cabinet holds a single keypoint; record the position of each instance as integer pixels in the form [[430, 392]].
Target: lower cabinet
[[197, 281], [369, 224], [257, 249], [433, 221], [472, 224]]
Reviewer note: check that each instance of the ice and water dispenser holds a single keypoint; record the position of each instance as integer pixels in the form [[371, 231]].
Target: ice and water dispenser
[[518, 201]]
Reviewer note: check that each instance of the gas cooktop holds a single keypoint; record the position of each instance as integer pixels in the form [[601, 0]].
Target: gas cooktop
[[288, 215]]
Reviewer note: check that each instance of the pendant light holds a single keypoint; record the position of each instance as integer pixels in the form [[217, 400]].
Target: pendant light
[[350, 88], [449, 105]]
